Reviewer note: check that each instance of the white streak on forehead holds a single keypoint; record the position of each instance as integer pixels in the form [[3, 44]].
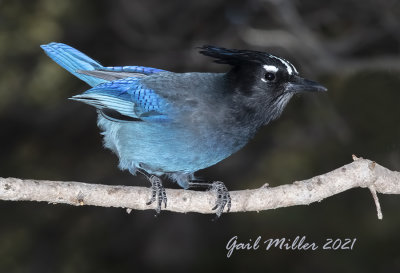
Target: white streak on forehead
[[294, 68], [287, 64], [270, 68]]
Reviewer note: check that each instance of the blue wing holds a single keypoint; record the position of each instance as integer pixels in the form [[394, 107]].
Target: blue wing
[[133, 69], [116, 89], [129, 98], [89, 70]]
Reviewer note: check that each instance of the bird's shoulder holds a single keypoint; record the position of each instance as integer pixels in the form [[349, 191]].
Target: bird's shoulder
[[170, 84]]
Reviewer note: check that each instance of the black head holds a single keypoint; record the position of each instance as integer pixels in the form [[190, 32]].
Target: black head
[[264, 82]]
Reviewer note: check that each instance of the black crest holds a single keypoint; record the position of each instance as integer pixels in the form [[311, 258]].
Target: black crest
[[233, 56]]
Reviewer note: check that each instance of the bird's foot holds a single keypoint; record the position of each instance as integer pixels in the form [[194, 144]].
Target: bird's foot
[[223, 197], [157, 193]]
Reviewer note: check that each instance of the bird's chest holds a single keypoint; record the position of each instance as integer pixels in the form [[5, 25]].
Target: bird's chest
[[172, 147]]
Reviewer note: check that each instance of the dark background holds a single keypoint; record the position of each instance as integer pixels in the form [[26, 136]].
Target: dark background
[[352, 47]]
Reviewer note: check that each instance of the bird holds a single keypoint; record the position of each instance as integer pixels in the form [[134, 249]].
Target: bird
[[168, 125]]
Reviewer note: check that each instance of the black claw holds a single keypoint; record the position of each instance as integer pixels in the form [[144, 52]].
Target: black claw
[[223, 198], [157, 193]]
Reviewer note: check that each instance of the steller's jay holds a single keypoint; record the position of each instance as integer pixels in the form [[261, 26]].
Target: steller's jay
[[161, 123]]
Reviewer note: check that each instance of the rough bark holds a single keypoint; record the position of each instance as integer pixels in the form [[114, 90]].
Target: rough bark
[[360, 173]]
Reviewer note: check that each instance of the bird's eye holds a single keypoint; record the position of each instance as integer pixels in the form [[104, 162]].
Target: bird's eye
[[270, 76]]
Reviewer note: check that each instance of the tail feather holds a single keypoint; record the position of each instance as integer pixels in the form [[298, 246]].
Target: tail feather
[[73, 61]]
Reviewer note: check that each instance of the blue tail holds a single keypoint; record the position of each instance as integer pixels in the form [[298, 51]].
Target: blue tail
[[73, 60]]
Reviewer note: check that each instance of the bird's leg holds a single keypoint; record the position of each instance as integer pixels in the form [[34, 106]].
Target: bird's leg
[[219, 188], [157, 191]]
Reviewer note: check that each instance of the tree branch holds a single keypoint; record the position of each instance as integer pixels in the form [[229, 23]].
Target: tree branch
[[360, 173]]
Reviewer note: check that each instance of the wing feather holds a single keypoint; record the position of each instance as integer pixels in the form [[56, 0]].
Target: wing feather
[[128, 97]]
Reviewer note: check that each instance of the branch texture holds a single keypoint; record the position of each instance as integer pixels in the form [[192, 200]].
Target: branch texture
[[360, 173]]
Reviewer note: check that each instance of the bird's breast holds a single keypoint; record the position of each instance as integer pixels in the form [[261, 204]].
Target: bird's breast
[[171, 147]]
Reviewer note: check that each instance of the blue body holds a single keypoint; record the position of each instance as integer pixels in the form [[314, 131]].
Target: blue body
[[165, 123]]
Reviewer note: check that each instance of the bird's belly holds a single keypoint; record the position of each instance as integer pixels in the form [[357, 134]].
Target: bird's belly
[[162, 148]]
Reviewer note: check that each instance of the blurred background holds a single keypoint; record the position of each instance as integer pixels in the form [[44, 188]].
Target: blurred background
[[350, 46]]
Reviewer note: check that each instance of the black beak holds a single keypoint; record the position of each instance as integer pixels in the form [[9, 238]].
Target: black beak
[[298, 84]]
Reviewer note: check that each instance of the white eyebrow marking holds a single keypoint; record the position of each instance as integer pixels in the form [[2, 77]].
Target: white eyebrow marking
[[287, 64], [294, 68], [270, 68]]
